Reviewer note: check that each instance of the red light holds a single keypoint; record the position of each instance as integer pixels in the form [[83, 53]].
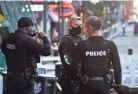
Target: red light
[[65, 3], [36, 0]]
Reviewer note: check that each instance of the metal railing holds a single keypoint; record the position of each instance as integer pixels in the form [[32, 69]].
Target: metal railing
[[112, 31]]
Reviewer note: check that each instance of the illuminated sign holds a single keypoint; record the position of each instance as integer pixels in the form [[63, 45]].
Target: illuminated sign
[[65, 9], [35, 7]]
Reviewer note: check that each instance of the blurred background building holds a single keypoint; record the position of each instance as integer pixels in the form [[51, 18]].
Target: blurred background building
[[51, 16]]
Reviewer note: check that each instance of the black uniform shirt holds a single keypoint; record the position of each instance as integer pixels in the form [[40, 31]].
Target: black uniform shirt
[[66, 49], [79, 55], [21, 49]]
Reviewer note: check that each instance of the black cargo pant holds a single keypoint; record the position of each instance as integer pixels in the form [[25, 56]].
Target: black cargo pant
[[68, 88], [94, 87], [17, 84]]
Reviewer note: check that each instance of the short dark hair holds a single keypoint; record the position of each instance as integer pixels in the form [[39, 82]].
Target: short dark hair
[[94, 22]]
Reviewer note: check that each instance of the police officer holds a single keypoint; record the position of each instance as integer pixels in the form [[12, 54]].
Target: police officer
[[66, 49], [20, 50], [135, 28], [96, 55]]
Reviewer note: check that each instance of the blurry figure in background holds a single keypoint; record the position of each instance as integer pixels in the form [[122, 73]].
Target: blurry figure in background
[[136, 29], [39, 17], [53, 34], [66, 49], [4, 31], [54, 38]]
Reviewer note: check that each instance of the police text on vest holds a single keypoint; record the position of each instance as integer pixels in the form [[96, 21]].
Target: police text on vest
[[95, 53], [10, 46]]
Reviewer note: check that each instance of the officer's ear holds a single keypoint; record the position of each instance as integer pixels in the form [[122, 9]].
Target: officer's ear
[[30, 27], [27, 28], [92, 28]]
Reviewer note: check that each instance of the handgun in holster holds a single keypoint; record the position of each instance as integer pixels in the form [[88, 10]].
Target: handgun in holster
[[31, 75], [28, 73], [84, 79], [108, 78]]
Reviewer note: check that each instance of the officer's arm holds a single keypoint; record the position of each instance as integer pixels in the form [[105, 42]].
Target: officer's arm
[[64, 52], [116, 63], [77, 58], [3, 46], [38, 48]]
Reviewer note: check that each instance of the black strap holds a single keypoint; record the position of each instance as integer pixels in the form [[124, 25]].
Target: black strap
[[69, 38], [72, 39], [109, 49]]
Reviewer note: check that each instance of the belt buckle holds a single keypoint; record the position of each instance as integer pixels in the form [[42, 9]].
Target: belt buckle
[[97, 78]]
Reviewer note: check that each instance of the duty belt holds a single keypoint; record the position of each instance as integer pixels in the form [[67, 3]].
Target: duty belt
[[85, 79], [20, 73], [16, 73]]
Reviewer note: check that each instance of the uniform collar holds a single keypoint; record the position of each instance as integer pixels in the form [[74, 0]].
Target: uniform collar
[[95, 38], [74, 35], [21, 32]]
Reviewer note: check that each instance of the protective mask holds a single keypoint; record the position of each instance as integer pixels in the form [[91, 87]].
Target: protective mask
[[33, 33], [76, 30]]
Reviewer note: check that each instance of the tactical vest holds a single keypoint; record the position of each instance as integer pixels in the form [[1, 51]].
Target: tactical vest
[[96, 61], [14, 51], [73, 40]]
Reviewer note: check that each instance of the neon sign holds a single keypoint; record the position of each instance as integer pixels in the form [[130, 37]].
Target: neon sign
[[65, 9]]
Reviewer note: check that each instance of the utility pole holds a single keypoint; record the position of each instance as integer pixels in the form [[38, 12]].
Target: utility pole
[[62, 20], [45, 16]]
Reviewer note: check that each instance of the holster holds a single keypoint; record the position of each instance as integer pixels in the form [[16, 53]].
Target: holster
[[84, 79], [31, 75], [107, 79]]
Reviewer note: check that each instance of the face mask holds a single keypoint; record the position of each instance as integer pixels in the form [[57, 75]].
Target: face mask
[[76, 30], [32, 33]]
